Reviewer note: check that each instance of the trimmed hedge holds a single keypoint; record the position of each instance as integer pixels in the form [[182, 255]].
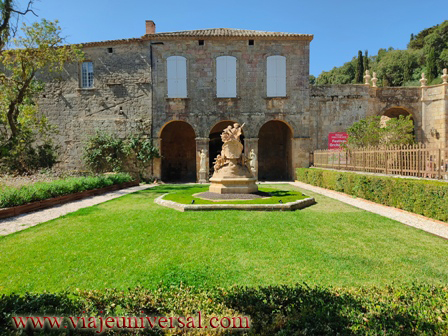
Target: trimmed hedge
[[39, 191], [275, 310], [427, 198]]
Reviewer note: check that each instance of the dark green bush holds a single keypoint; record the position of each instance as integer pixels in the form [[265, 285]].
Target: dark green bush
[[275, 310], [43, 190], [428, 198]]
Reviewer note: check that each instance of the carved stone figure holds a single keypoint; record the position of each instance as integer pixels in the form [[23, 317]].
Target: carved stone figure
[[423, 81], [374, 80], [367, 77], [253, 161], [232, 173], [203, 161], [445, 76]]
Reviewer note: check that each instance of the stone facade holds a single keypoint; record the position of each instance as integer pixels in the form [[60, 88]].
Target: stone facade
[[130, 96]]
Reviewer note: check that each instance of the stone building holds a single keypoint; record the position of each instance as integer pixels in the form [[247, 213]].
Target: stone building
[[183, 88]]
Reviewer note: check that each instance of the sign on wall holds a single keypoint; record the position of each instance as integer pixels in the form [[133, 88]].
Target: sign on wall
[[336, 139]]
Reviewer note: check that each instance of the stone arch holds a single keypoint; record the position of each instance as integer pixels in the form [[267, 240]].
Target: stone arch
[[275, 151], [178, 151], [396, 112], [215, 142]]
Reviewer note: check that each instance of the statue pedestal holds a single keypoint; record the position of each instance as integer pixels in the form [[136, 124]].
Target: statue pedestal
[[202, 177], [233, 185]]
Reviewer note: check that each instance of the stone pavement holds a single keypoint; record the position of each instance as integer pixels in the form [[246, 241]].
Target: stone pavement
[[433, 226], [22, 222]]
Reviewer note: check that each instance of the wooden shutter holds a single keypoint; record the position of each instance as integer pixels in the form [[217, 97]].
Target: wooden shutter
[[276, 76], [177, 76], [226, 76]]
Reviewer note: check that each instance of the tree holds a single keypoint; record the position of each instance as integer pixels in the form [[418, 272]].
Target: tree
[[40, 49], [366, 60], [25, 144], [359, 69], [375, 131], [7, 13], [431, 66]]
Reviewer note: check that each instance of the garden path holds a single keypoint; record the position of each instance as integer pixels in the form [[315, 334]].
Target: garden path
[[433, 226]]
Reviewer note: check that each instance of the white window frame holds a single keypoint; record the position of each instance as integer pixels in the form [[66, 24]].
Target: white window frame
[[226, 76], [176, 75], [87, 75], [276, 76]]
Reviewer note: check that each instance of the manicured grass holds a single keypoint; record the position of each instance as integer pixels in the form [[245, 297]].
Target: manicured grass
[[185, 196], [132, 241]]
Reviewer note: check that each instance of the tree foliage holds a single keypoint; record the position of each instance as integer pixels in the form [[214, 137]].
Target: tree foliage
[[373, 131], [8, 12], [427, 52], [38, 50]]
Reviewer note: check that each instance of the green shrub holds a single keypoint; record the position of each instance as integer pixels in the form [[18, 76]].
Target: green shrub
[[43, 190], [428, 198], [275, 310]]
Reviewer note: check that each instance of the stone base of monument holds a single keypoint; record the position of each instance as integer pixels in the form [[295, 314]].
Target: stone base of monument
[[233, 185]]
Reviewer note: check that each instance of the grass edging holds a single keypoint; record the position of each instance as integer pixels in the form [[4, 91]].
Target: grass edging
[[427, 198], [290, 206], [65, 198]]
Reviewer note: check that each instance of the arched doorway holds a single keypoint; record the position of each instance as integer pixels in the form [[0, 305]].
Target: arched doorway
[[178, 151], [215, 144], [274, 152]]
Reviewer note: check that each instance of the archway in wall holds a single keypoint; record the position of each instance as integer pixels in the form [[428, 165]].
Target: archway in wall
[[215, 144], [178, 151], [274, 152], [396, 112]]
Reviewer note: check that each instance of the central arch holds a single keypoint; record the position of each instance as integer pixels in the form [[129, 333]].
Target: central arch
[[178, 151], [215, 144], [274, 151]]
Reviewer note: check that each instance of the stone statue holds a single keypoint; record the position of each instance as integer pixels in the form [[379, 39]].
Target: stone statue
[[374, 80], [233, 174], [445, 76], [203, 161], [367, 78], [253, 161], [423, 81]]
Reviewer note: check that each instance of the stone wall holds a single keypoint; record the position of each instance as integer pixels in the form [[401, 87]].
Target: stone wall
[[119, 103], [130, 96]]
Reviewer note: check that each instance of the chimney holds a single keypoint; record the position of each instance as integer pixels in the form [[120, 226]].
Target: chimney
[[150, 27]]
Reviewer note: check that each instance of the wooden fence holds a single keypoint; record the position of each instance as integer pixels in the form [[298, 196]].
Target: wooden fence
[[413, 160]]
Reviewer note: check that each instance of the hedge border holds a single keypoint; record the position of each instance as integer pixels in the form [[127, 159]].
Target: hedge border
[[48, 203], [423, 197]]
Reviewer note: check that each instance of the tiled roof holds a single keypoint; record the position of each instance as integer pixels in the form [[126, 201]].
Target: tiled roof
[[226, 32], [206, 33]]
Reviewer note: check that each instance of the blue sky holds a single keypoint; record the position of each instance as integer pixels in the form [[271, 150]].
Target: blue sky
[[340, 28]]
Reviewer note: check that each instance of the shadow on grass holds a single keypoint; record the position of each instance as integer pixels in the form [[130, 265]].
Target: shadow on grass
[[273, 310]]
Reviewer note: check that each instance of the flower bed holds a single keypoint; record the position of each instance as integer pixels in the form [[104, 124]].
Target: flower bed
[[15, 201]]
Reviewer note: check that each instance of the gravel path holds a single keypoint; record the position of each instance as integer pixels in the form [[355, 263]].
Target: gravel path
[[22, 222], [433, 226]]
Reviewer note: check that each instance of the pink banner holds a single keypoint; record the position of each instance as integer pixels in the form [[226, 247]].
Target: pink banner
[[336, 139]]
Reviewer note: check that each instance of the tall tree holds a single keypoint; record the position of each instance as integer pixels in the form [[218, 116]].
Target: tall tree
[[7, 12], [366, 60], [431, 65], [40, 49], [359, 69]]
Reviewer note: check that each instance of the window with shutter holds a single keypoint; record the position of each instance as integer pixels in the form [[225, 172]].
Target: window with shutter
[[226, 77], [276, 76], [177, 76]]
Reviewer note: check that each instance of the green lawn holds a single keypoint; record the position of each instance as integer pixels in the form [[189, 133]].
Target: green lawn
[[132, 241], [185, 196]]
